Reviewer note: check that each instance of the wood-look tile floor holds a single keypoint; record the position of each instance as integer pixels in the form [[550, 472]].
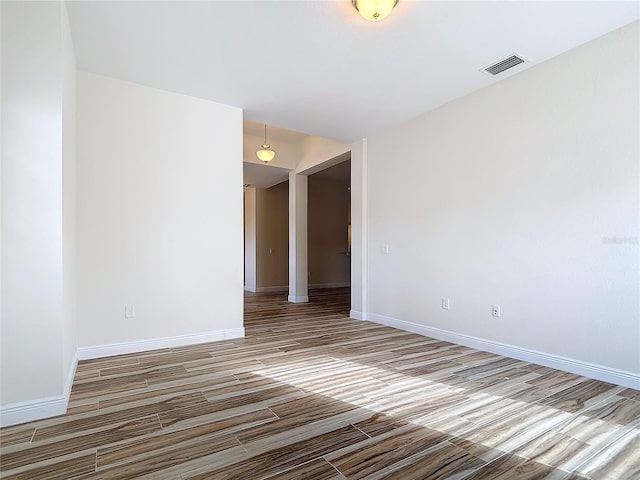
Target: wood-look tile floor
[[311, 394]]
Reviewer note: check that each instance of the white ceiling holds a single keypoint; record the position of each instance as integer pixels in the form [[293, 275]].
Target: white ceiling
[[273, 133], [316, 66]]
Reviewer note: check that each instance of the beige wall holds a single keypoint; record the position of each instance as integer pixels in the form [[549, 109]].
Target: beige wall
[[272, 239], [328, 218], [316, 150]]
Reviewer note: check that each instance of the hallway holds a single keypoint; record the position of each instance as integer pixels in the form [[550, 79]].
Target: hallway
[[325, 302]]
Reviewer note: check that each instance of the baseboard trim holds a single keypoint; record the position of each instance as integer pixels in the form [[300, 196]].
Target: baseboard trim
[[21, 412], [330, 285], [357, 315], [298, 299], [598, 372], [68, 382], [99, 351]]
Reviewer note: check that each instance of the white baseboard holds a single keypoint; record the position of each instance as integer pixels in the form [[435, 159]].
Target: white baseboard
[[21, 412], [68, 381], [298, 299], [98, 351], [598, 372], [357, 315], [330, 285]]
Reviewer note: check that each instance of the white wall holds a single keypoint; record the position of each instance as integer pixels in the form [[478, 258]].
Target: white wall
[[508, 196], [32, 233], [159, 216], [70, 327], [359, 230], [250, 239], [298, 280]]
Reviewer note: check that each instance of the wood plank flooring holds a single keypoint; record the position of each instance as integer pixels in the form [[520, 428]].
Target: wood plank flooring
[[312, 394]]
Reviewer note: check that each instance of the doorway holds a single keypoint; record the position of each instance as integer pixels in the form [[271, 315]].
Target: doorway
[[328, 227]]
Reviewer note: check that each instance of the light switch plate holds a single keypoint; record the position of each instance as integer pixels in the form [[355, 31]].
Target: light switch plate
[[445, 303]]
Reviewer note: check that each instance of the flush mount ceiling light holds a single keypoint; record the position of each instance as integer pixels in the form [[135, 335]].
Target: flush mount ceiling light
[[374, 10], [265, 154]]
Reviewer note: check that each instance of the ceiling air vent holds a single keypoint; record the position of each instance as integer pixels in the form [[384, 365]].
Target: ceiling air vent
[[505, 64]]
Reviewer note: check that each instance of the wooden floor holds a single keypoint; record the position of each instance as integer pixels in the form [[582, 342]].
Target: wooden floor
[[311, 394]]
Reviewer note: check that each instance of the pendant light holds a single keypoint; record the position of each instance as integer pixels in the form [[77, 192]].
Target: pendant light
[[265, 154], [374, 10]]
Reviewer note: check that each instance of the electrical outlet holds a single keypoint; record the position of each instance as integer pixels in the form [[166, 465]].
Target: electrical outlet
[[495, 310], [445, 303], [129, 311]]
